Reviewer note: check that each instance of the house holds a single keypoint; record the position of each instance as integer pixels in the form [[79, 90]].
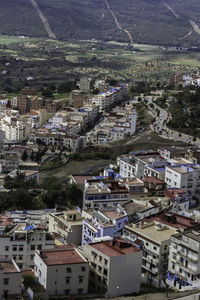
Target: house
[[10, 279], [97, 224], [21, 242], [62, 271], [115, 267], [68, 224], [104, 192]]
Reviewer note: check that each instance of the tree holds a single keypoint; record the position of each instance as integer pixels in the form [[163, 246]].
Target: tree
[[24, 155], [47, 93], [28, 280]]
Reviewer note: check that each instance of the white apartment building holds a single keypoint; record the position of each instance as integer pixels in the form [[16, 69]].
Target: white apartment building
[[104, 193], [71, 142], [115, 267], [68, 224], [62, 271], [135, 164], [21, 242], [10, 279], [14, 129], [184, 260], [186, 177], [153, 238]]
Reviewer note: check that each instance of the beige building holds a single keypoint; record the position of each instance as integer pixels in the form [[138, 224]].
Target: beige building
[[10, 279], [62, 271], [115, 267], [68, 224], [154, 239]]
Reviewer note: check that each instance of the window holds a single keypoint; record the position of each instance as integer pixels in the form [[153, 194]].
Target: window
[[154, 248], [173, 267], [100, 258], [67, 279], [105, 272], [100, 268], [80, 279], [14, 248], [6, 248], [147, 244], [20, 257], [69, 270], [39, 247], [67, 292], [83, 269], [32, 247], [6, 281], [21, 247], [80, 291], [105, 262], [55, 282], [180, 270]]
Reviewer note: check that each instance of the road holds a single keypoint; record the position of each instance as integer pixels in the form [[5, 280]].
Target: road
[[159, 126]]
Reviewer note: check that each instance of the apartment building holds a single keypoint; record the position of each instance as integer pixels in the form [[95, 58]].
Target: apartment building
[[21, 242], [86, 84], [135, 164], [15, 129], [104, 193], [77, 98], [179, 201], [68, 224], [115, 267], [97, 224], [184, 260], [184, 176], [62, 271], [72, 143], [153, 238], [10, 279]]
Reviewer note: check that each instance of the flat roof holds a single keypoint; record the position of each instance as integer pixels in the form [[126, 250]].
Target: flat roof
[[153, 233], [61, 256]]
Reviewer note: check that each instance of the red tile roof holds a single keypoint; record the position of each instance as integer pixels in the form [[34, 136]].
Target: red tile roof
[[61, 256], [115, 247], [152, 179]]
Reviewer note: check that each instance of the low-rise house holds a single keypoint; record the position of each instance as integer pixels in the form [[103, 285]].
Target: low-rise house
[[25, 175], [115, 267], [62, 271], [68, 224], [10, 279], [97, 224]]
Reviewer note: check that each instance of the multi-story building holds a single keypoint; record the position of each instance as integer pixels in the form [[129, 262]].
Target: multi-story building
[[115, 267], [104, 193], [86, 84], [72, 143], [97, 224], [21, 242], [153, 238], [62, 271], [10, 279], [184, 260], [77, 98], [184, 176], [68, 224], [135, 164], [179, 201]]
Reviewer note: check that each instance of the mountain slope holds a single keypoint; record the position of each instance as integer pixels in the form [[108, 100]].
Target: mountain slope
[[167, 22]]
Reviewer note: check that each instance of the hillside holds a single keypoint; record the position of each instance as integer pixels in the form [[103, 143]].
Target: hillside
[[166, 22]]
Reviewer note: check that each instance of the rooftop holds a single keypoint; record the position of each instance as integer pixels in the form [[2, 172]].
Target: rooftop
[[154, 231], [115, 247], [8, 266], [61, 255]]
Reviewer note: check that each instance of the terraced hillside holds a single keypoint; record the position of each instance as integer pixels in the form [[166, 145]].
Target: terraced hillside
[[167, 22]]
